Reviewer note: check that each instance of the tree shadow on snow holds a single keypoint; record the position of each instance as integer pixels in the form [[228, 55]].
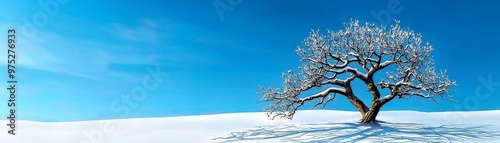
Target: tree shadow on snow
[[354, 132]]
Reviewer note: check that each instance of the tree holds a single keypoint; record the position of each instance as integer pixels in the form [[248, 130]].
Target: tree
[[334, 60]]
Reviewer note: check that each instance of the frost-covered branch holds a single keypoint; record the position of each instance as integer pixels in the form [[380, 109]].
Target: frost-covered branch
[[285, 104]]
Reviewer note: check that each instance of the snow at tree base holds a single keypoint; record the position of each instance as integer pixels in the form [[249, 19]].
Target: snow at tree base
[[307, 126]]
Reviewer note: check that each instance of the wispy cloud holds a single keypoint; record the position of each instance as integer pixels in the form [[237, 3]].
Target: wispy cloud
[[146, 30], [76, 57]]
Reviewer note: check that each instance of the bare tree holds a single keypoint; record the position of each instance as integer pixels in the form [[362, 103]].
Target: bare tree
[[359, 52]]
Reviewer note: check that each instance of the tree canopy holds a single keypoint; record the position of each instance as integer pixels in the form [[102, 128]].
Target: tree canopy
[[359, 52]]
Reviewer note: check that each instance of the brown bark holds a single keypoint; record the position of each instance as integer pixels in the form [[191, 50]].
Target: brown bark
[[355, 100], [368, 115], [358, 104], [371, 115]]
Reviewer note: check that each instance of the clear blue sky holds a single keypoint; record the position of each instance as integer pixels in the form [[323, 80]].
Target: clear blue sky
[[89, 53]]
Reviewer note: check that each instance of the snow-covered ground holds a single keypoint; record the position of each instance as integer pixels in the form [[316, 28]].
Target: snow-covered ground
[[307, 126]]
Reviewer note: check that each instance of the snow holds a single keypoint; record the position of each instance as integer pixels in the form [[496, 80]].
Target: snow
[[307, 126]]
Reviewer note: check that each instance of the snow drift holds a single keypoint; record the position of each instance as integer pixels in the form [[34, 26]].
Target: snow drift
[[307, 126]]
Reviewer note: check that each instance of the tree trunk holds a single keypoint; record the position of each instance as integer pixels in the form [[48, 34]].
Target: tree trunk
[[371, 115], [359, 105]]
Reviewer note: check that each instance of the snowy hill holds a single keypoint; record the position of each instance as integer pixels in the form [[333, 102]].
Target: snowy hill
[[307, 126]]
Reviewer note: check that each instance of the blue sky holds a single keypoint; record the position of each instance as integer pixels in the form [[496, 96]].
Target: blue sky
[[89, 53]]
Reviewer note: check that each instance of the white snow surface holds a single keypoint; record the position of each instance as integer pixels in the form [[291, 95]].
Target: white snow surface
[[306, 126]]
